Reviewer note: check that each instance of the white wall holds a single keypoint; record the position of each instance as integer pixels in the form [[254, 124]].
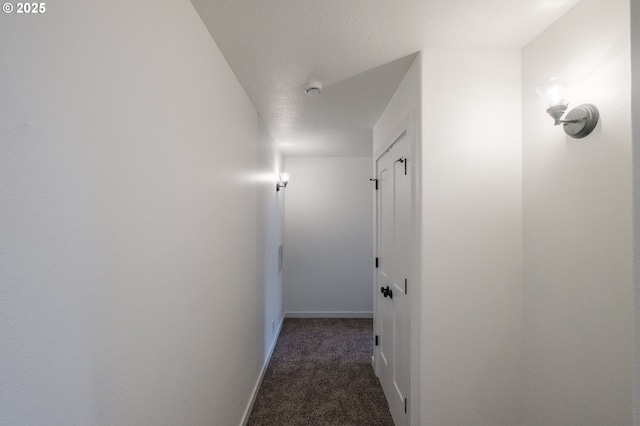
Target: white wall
[[130, 185], [578, 226], [405, 100], [328, 265], [270, 219], [471, 306], [467, 367]]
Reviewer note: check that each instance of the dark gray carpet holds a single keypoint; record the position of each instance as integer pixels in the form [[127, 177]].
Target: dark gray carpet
[[320, 374]]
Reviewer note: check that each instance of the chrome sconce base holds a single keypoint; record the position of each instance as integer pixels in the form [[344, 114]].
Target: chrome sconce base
[[579, 122]]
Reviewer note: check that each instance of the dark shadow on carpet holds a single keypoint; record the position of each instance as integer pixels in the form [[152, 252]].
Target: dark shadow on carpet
[[320, 374]]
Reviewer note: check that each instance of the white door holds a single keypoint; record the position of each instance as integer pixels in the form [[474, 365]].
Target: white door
[[393, 252]]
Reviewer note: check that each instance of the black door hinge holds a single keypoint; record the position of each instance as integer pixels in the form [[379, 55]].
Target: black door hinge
[[376, 181], [403, 161], [376, 340], [405, 286], [405, 405], [377, 262]]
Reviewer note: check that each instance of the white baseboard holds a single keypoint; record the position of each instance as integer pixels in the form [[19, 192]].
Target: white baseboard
[[256, 388], [328, 314]]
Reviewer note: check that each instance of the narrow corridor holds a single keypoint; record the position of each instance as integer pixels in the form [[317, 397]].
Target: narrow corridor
[[321, 374]]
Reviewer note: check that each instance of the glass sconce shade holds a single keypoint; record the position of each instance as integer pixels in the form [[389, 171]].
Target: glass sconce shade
[[555, 95], [556, 91], [283, 180]]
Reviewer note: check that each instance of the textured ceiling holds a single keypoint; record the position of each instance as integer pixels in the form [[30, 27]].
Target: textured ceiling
[[359, 50]]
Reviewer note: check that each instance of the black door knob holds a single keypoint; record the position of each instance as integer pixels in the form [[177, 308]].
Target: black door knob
[[387, 292]]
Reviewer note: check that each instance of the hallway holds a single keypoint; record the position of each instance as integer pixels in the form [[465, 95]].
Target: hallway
[[147, 260], [320, 374]]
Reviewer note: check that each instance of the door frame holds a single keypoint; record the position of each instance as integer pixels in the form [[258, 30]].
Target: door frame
[[406, 123]]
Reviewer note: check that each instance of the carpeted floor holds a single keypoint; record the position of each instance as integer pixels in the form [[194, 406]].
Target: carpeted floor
[[320, 374]]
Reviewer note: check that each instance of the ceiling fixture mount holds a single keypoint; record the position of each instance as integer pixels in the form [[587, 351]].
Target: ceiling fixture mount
[[313, 88]]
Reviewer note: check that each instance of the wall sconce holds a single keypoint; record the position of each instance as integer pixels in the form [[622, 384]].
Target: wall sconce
[[578, 122], [283, 181]]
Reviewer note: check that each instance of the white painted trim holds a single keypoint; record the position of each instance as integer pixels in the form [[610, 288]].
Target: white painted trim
[[256, 388], [329, 314], [415, 399]]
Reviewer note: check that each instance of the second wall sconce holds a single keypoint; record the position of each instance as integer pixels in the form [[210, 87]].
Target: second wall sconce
[[282, 181], [578, 122]]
